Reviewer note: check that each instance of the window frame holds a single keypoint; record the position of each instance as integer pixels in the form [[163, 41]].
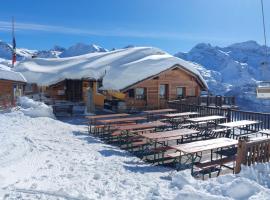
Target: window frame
[[192, 92], [183, 92], [140, 96], [166, 91]]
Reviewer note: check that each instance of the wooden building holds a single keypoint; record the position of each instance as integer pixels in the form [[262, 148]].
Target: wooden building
[[155, 91], [76, 90], [139, 78], [11, 86]]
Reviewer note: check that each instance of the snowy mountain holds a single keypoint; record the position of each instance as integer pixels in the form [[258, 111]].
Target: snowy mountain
[[6, 52], [55, 52], [233, 70], [80, 49]]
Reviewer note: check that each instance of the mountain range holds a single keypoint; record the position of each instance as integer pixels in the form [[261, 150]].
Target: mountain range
[[55, 52], [233, 70]]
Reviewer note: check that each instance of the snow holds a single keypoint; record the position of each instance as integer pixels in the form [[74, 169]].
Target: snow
[[121, 68], [43, 158], [7, 74], [21, 53], [80, 49], [228, 70], [34, 108]]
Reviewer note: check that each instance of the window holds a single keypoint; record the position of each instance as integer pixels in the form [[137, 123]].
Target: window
[[192, 92], [180, 92], [131, 93], [163, 91], [140, 93]]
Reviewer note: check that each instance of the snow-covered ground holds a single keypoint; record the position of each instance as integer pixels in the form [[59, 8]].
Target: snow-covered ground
[[43, 158]]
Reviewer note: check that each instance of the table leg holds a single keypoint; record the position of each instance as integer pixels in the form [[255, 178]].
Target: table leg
[[192, 164]]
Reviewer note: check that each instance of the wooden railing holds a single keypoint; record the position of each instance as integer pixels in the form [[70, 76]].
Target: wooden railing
[[250, 152], [231, 114], [216, 101]]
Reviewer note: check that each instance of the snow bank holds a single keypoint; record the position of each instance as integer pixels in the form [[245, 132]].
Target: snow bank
[[34, 108], [251, 183], [7, 74], [121, 68]]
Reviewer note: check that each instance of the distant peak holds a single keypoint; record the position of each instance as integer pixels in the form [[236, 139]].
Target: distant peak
[[82, 48], [129, 46], [251, 44], [203, 46], [58, 48]]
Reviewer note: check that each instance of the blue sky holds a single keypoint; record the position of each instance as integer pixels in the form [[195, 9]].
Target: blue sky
[[172, 25]]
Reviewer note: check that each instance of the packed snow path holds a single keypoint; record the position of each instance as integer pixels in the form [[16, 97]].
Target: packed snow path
[[43, 158]]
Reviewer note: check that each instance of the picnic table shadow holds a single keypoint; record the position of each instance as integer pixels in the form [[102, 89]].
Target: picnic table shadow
[[133, 165], [74, 120], [113, 152], [146, 168]]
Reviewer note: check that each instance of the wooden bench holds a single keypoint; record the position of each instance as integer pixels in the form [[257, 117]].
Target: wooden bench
[[175, 154], [169, 158], [220, 132], [214, 166]]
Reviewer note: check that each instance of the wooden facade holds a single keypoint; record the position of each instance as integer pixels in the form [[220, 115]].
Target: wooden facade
[[9, 89], [174, 83], [75, 90]]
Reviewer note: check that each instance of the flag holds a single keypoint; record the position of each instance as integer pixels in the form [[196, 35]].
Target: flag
[[13, 50]]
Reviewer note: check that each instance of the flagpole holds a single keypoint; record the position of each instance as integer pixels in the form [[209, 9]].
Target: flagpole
[[13, 44]]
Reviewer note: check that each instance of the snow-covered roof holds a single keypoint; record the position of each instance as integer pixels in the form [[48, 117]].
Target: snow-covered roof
[[7, 74], [122, 67]]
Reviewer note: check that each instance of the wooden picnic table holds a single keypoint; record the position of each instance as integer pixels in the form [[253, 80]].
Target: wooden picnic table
[[149, 125], [117, 120], [183, 114], [177, 118], [156, 114], [159, 140], [168, 135], [206, 119], [93, 117], [126, 130], [160, 111], [265, 132], [241, 124], [201, 146]]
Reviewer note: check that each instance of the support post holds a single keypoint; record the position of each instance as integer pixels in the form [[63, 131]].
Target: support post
[[241, 155]]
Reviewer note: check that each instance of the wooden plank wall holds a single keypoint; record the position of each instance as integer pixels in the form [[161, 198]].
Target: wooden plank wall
[[174, 78], [251, 152], [53, 91], [6, 87], [7, 93]]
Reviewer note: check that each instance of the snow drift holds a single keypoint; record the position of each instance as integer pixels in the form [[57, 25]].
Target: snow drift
[[34, 108], [120, 68]]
